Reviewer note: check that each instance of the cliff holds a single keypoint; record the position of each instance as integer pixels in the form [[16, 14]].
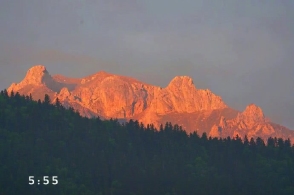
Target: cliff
[[115, 96]]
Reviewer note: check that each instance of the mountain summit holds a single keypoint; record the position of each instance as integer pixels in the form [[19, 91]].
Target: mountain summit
[[37, 75], [114, 96]]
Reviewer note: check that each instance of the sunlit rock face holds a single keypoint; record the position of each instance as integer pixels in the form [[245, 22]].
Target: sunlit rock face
[[250, 122], [115, 96]]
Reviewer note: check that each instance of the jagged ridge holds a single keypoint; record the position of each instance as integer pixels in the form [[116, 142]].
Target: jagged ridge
[[114, 96]]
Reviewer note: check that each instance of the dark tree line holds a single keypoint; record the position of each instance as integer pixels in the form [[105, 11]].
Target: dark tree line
[[104, 157]]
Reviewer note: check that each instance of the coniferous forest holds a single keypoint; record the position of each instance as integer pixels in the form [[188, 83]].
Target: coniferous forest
[[104, 157]]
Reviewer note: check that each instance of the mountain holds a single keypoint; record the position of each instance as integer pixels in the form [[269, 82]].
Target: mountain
[[114, 96]]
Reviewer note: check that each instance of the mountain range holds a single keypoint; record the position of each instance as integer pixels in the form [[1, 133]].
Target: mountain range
[[114, 96]]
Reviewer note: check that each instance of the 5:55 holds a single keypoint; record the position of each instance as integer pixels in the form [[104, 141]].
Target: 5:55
[[45, 180]]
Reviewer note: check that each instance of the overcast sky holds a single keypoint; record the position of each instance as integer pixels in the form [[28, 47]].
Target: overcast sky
[[241, 50]]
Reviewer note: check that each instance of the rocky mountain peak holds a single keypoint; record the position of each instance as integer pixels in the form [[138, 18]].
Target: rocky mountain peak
[[64, 95], [37, 68], [115, 96], [37, 75], [64, 91], [181, 81], [251, 116], [253, 111]]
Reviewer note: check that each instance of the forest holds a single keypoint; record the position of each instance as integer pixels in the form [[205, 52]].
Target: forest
[[106, 157]]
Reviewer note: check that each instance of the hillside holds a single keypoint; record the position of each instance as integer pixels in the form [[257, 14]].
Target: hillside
[[94, 156]]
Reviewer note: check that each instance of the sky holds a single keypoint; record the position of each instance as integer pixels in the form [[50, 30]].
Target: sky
[[240, 50]]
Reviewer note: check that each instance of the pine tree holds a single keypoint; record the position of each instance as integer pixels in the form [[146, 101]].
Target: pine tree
[[31, 97], [5, 93], [246, 141], [12, 93], [57, 103], [47, 99], [271, 142]]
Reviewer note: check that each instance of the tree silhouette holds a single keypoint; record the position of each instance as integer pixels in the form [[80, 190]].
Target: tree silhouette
[[94, 156]]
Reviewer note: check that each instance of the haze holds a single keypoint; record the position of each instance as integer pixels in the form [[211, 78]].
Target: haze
[[241, 50]]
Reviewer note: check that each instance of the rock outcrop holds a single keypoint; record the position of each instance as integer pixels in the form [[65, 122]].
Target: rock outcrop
[[37, 76], [217, 130], [113, 96], [250, 122]]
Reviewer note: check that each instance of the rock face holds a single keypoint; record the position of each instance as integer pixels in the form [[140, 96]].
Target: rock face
[[217, 130], [250, 122], [34, 76], [114, 96]]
